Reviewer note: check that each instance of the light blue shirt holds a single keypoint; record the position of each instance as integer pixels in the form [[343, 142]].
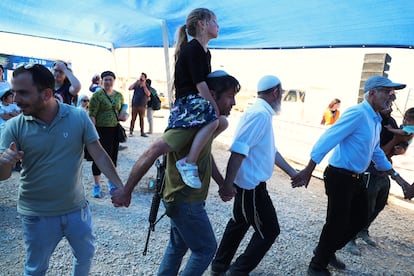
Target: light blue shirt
[[410, 130], [355, 138], [255, 140]]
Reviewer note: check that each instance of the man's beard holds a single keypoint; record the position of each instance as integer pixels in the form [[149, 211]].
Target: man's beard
[[277, 107]]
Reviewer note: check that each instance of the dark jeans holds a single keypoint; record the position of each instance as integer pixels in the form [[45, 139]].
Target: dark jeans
[[108, 137], [190, 229], [251, 208], [346, 214]]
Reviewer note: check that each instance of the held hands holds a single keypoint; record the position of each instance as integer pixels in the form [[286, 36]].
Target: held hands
[[302, 178], [11, 155], [408, 189], [121, 198], [227, 192]]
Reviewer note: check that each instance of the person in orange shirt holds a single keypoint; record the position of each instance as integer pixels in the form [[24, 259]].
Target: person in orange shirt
[[332, 113]]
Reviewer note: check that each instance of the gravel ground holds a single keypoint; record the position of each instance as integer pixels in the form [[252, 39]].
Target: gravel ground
[[121, 233]]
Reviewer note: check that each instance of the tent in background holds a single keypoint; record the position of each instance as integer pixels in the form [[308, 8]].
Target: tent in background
[[279, 24], [260, 24]]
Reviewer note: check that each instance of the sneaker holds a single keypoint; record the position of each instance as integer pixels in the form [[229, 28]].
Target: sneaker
[[131, 134], [352, 248], [189, 174], [112, 188], [144, 135], [366, 238], [97, 191]]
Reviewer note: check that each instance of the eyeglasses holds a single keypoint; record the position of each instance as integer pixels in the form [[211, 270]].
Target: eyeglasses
[[85, 101]]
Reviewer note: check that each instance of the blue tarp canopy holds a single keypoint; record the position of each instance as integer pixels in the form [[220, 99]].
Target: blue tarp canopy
[[274, 24]]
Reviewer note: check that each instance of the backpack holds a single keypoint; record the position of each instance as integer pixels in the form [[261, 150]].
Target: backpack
[[155, 101]]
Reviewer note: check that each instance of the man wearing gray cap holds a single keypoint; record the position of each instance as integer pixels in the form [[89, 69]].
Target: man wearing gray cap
[[355, 141], [251, 164]]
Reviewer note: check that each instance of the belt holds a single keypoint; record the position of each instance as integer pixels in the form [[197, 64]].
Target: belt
[[259, 186], [347, 172]]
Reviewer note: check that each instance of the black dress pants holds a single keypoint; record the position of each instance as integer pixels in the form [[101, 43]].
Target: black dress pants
[[347, 213], [251, 208]]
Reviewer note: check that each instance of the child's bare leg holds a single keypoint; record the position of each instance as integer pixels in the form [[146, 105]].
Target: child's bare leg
[[200, 140], [223, 124]]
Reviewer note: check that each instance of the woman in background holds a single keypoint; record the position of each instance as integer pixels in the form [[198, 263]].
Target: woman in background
[[105, 111], [83, 102], [332, 113]]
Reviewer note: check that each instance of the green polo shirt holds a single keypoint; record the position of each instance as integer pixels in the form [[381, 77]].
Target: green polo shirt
[[50, 180], [180, 141]]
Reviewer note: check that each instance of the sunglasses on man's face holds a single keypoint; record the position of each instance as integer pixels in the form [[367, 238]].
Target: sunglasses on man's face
[[85, 101]]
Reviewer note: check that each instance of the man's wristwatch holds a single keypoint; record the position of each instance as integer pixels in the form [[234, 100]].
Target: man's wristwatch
[[394, 175]]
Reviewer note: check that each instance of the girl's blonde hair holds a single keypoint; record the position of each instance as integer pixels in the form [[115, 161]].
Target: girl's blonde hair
[[190, 27]]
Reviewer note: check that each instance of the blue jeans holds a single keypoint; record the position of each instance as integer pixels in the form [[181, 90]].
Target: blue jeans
[[190, 229], [42, 234]]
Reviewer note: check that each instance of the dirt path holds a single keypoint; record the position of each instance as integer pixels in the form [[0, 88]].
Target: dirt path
[[121, 233]]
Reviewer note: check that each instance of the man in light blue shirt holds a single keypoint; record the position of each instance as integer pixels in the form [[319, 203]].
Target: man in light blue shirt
[[251, 164], [355, 140]]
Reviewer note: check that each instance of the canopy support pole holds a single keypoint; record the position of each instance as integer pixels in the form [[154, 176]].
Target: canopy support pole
[[167, 61]]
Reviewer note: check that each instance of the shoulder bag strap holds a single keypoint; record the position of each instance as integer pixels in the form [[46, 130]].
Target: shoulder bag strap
[[113, 105]]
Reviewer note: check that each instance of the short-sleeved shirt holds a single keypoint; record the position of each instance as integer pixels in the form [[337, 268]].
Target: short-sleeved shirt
[[63, 94], [7, 109], [409, 130], [94, 87], [139, 98], [180, 142], [100, 107], [51, 176], [192, 67], [4, 86], [255, 140]]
